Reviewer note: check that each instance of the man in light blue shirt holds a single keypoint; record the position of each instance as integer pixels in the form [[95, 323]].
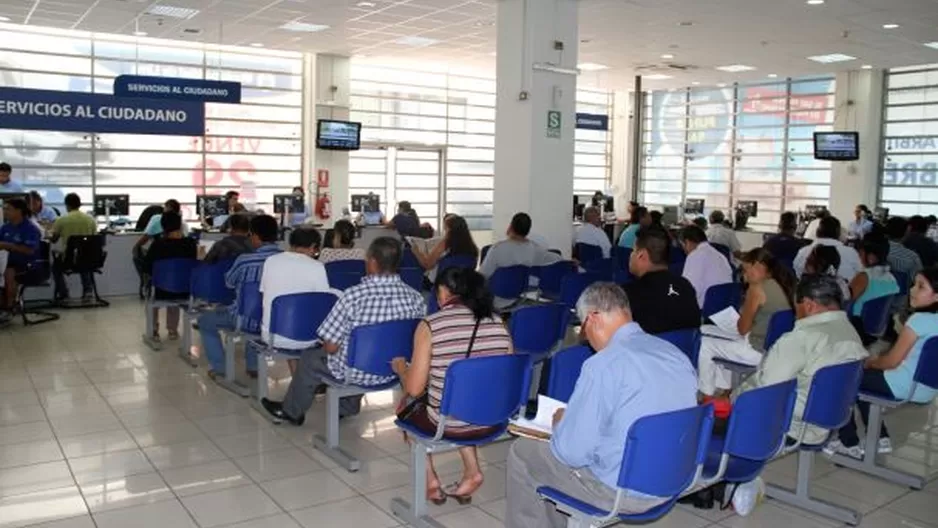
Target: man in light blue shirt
[[6, 184], [42, 213], [633, 375]]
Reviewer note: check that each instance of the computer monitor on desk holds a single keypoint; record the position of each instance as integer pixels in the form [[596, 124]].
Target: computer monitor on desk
[[366, 203], [211, 205], [693, 207], [880, 214], [112, 205], [745, 209], [288, 203], [609, 206]]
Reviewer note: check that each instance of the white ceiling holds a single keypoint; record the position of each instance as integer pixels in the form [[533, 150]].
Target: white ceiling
[[629, 36]]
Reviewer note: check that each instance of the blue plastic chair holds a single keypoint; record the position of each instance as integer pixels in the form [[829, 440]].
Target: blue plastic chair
[[551, 277], [249, 307], [455, 261], [756, 432], [346, 266], [664, 454], [875, 315], [505, 380], [565, 368], [572, 287], [904, 282], [207, 286], [370, 349], [830, 403], [408, 259], [724, 250], [587, 253], [509, 282], [622, 256], [412, 277], [720, 296], [172, 276], [433, 304], [537, 330], [926, 373], [601, 267], [688, 340], [781, 322]]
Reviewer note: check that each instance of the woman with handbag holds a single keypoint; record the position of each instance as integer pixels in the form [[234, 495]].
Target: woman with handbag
[[465, 326]]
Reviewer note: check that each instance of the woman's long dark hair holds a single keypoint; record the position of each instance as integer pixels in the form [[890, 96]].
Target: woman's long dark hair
[[469, 287], [778, 271], [346, 233], [459, 239]]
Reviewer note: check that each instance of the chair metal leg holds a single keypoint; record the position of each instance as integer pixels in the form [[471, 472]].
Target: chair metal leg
[[260, 390], [329, 444], [578, 522], [185, 344], [415, 511], [868, 463], [150, 325], [229, 382], [801, 497]]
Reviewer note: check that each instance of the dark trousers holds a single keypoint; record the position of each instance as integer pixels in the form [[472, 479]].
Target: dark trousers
[[61, 287], [873, 381]]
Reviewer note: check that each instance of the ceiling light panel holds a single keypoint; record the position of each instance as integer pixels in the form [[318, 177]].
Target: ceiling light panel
[[417, 42], [831, 58], [656, 77], [736, 68], [182, 13], [591, 66], [303, 27]]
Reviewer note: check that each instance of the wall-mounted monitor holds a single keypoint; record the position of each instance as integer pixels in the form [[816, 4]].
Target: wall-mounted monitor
[[750, 207], [289, 203], [112, 205], [366, 203], [211, 205], [694, 206], [837, 146], [338, 135]]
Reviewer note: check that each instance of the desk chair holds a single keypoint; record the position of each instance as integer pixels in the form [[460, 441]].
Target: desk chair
[[720, 296], [170, 275], [622, 256], [537, 330], [412, 277], [926, 373], [551, 277], [509, 283], [587, 253], [687, 340], [604, 267], [370, 349], [875, 315], [781, 322], [250, 307], [37, 275], [455, 261], [344, 274], [830, 403], [207, 288], [664, 456], [572, 287], [408, 259], [83, 255], [565, 368], [484, 391]]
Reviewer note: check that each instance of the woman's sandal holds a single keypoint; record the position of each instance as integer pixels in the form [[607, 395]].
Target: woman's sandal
[[463, 500], [438, 501]]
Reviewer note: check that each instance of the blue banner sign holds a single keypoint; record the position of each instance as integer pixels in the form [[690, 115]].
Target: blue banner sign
[[177, 88], [592, 121], [84, 112]]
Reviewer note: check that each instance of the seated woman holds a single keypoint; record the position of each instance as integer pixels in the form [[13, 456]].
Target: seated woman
[[465, 326], [771, 289], [172, 244], [343, 244], [20, 240], [825, 260], [891, 373], [873, 282], [457, 240]]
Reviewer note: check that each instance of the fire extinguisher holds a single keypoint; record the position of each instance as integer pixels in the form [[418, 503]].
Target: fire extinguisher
[[323, 207]]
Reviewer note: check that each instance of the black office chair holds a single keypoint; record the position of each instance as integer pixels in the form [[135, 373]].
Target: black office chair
[[84, 254], [37, 275]]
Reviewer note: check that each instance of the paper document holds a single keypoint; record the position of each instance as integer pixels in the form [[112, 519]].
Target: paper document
[[719, 333], [727, 319], [543, 422]]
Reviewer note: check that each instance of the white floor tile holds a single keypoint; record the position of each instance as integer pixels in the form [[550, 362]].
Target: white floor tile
[[916, 506], [96, 468], [12, 414], [205, 477], [272, 465], [26, 454], [770, 515], [376, 475], [38, 477], [252, 443], [471, 517], [495, 508], [97, 443], [166, 434], [28, 432], [351, 512], [295, 493], [230, 506], [83, 521], [123, 492], [885, 518], [183, 455], [277, 521], [41, 507], [156, 515], [80, 425]]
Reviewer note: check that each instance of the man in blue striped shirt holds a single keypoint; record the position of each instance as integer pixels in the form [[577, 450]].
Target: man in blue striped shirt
[[246, 268]]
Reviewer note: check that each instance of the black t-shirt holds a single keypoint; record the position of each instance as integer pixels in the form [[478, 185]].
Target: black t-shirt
[[784, 246], [169, 248], [406, 224], [662, 301]]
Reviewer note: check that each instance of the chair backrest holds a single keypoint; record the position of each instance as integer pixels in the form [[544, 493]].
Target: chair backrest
[[208, 282], [724, 249], [412, 277], [760, 421], [832, 395], [781, 322], [509, 282], [622, 256], [85, 252], [602, 267], [551, 277], [662, 451], [537, 329], [875, 314], [372, 347], [904, 282], [926, 372], [455, 261], [345, 266], [720, 296], [573, 285], [688, 340], [565, 369], [298, 316], [433, 304], [173, 275], [587, 253], [486, 391], [408, 260], [250, 301]]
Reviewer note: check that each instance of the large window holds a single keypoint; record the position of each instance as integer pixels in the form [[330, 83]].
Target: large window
[[255, 146], [910, 141], [745, 142]]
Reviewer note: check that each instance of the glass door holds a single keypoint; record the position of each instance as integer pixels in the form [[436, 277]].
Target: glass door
[[397, 174]]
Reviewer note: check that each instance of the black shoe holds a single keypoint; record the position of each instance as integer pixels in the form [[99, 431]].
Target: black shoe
[[275, 409]]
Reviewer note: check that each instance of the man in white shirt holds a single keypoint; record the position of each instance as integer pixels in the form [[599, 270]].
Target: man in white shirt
[[718, 233], [293, 271], [828, 234], [705, 265], [591, 232]]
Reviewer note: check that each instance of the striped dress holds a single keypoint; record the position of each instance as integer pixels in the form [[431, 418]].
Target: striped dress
[[451, 330]]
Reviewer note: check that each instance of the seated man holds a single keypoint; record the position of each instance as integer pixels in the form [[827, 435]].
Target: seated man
[[591, 232], [705, 266], [516, 250], [631, 376], [785, 244], [718, 233], [20, 237], [828, 234], [236, 243], [382, 296], [823, 336], [172, 244], [154, 227], [661, 300], [246, 268], [406, 221], [42, 213], [73, 223]]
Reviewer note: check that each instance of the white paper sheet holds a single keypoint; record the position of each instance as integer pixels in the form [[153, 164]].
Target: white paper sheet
[[727, 319], [544, 420]]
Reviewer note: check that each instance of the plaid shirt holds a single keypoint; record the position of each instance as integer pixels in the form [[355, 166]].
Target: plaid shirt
[[248, 268], [378, 299], [903, 259]]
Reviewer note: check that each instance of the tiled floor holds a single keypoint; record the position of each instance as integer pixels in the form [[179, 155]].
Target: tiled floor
[[97, 430]]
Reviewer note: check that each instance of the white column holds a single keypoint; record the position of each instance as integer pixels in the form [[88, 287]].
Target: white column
[[859, 107], [328, 93], [536, 72], [622, 153]]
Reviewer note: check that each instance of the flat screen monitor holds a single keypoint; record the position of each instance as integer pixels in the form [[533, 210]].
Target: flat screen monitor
[[837, 146], [694, 206], [812, 211], [366, 203], [112, 205], [610, 205], [881, 214], [338, 135], [750, 207], [578, 210], [289, 203], [211, 205]]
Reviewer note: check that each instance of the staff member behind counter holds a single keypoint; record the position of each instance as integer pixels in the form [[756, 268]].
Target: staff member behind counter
[[7, 185], [20, 238]]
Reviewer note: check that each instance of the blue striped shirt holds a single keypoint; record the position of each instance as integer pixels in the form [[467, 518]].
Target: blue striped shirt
[[248, 268]]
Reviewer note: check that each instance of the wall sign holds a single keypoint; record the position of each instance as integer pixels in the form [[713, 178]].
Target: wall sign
[[553, 124], [177, 88], [84, 112], [592, 121]]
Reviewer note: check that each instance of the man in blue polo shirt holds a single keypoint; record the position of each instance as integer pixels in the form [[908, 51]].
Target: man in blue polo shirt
[[20, 239], [7, 185]]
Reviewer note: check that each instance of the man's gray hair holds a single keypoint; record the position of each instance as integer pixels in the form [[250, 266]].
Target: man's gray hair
[[821, 288], [602, 297], [590, 213]]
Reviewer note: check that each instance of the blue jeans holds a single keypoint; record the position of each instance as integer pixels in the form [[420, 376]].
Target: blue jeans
[[210, 326]]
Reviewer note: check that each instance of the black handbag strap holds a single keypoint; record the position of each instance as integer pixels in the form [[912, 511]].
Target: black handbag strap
[[472, 339]]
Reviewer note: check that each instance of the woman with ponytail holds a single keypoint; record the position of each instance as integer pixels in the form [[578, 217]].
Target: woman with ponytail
[[771, 289], [465, 326], [891, 373]]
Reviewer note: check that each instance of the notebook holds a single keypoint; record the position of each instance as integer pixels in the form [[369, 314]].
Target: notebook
[[541, 427]]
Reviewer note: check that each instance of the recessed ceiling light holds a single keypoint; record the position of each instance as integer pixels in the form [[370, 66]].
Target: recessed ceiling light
[[591, 66], [831, 57], [257, 45], [773, 75], [695, 83], [735, 68], [417, 42], [867, 67], [890, 26], [365, 5], [814, 2], [183, 13], [667, 56], [721, 85], [4, 19], [303, 27], [140, 33], [656, 77], [933, 45]]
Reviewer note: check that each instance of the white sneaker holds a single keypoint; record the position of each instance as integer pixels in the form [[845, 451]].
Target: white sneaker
[[884, 447], [836, 447]]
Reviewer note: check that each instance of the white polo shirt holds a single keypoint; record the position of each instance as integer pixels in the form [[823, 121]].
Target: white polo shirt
[[286, 273], [594, 236]]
